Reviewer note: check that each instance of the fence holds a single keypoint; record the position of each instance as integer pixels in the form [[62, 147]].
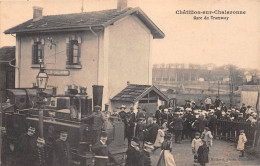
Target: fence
[[229, 130]]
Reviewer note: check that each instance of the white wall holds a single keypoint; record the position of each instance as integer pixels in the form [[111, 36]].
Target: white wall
[[86, 76], [128, 56]]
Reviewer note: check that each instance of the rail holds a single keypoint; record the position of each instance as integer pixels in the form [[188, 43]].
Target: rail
[[229, 131]]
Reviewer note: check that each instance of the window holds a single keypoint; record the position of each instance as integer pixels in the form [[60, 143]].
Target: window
[[37, 52], [73, 52]]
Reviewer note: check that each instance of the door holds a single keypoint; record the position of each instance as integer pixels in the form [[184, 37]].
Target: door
[[149, 107]]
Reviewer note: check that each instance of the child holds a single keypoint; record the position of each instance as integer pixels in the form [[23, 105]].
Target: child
[[207, 137], [241, 142], [166, 157], [196, 142], [159, 139], [203, 153]]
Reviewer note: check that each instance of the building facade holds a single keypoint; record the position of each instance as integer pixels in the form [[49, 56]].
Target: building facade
[[108, 48]]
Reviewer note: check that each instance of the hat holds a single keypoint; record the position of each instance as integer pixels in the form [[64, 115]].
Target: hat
[[188, 109], [41, 140], [64, 132], [32, 129], [138, 107], [123, 106], [206, 128], [242, 131], [103, 134], [97, 107]]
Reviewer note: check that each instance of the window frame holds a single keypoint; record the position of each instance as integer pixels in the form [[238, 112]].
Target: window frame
[[37, 48]]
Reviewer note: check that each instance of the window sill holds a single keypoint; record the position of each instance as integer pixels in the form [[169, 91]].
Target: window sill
[[35, 65], [73, 67]]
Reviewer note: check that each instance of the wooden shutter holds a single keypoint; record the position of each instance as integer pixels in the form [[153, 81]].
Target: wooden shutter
[[34, 53], [68, 51], [79, 52], [42, 52]]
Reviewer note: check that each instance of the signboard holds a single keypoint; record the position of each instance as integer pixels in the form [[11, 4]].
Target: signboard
[[57, 72]]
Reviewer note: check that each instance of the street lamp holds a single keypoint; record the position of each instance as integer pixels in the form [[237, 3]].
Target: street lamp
[[41, 80]]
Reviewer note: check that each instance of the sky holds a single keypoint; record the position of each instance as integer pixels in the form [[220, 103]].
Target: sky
[[234, 41]]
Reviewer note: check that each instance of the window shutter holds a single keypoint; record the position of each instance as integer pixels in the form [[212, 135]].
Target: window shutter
[[69, 53], [42, 52], [79, 52], [34, 53]]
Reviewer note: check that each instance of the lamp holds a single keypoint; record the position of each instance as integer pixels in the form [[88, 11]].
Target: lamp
[[42, 78]]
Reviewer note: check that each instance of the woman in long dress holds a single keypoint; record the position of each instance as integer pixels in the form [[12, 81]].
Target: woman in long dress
[[166, 157]]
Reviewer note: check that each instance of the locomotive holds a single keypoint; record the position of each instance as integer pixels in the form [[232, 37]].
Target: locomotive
[[62, 113]]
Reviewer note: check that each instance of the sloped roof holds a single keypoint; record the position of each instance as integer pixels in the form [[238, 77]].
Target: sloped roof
[[134, 92], [7, 53], [83, 21]]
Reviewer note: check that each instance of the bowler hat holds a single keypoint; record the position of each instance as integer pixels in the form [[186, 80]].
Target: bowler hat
[[123, 106]]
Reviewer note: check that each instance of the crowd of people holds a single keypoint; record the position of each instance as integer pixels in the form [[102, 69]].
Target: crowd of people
[[145, 134], [189, 121]]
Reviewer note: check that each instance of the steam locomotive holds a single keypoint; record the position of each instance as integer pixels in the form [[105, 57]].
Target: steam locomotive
[[23, 112]]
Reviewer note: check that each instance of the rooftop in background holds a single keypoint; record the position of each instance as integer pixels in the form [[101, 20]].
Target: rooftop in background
[[134, 92], [83, 21], [7, 53]]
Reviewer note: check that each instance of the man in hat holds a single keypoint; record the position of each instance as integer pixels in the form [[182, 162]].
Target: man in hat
[[135, 155], [140, 113], [98, 120], [208, 102], [243, 109], [140, 129], [177, 126], [62, 150], [151, 131], [26, 151], [130, 124], [122, 113], [102, 154], [158, 114], [217, 102]]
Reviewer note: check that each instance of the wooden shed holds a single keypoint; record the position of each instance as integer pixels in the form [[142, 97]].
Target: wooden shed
[[148, 97]]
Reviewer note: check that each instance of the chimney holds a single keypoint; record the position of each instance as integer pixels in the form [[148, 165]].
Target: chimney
[[121, 4], [37, 13], [128, 82]]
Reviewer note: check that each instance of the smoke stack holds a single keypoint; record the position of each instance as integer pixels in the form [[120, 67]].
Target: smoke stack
[[37, 13], [97, 95], [121, 4]]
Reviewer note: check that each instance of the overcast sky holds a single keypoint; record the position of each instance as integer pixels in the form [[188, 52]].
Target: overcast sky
[[236, 41]]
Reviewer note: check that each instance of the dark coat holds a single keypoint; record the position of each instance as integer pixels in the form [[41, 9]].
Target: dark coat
[[101, 150], [140, 129], [122, 115], [212, 122], [151, 133], [130, 125], [177, 124], [158, 116], [134, 157], [27, 150], [62, 153], [203, 153]]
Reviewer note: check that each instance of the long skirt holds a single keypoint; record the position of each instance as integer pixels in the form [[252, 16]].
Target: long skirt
[[166, 159]]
